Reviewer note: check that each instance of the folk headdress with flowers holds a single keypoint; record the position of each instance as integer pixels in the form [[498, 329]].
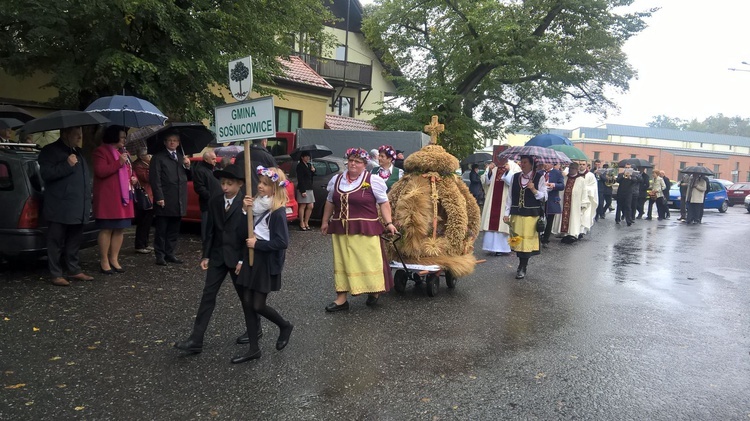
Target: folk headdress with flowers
[[357, 153], [267, 172], [388, 151]]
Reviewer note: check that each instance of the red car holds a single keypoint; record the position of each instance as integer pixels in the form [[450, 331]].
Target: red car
[[737, 192], [194, 211]]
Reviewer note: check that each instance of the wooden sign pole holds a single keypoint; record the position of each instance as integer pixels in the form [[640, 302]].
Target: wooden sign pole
[[249, 190]]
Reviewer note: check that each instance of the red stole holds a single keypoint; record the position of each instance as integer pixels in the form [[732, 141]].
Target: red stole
[[568, 198], [496, 208]]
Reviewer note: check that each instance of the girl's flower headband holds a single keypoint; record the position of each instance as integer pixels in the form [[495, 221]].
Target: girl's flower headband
[[358, 153], [261, 170], [388, 151]]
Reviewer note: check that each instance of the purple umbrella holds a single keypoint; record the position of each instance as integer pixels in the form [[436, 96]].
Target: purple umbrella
[[540, 154]]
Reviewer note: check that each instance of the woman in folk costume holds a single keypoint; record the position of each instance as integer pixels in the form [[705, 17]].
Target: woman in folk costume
[[527, 192], [497, 195], [351, 216], [387, 171]]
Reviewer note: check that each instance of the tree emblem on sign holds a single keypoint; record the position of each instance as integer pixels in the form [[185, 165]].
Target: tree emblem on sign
[[239, 73]]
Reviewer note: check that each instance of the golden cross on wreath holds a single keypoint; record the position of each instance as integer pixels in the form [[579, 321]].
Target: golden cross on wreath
[[434, 129]]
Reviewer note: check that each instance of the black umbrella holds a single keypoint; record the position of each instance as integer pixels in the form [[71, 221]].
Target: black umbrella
[[193, 137], [635, 162], [63, 120], [697, 169], [316, 151], [476, 158], [11, 111], [10, 123]]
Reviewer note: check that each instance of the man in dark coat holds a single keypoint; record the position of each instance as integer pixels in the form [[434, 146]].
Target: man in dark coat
[[555, 184], [627, 182], [205, 185], [67, 203], [645, 183], [259, 155], [169, 177]]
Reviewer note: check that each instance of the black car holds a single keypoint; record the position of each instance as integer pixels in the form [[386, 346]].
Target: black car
[[23, 230], [325, 169]]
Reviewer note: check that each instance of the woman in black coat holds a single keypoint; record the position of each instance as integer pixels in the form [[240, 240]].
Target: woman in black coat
[[305, 196]]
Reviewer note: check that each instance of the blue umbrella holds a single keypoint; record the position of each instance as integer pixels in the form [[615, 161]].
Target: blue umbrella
[[548, 139], [128, 111]]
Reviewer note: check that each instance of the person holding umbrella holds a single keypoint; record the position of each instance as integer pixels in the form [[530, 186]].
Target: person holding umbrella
[[305, 194], [67, 203], [528, 191], [113, 196], [168, 175], [696, 195]]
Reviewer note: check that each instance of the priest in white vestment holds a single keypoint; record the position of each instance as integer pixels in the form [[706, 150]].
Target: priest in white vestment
[[575, 201], [496, 195], [592, 191]]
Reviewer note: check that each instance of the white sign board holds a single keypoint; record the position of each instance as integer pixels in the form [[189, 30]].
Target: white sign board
[[245, 120], [241, 78]]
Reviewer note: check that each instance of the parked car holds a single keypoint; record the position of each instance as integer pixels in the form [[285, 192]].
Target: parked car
[[23, 230], [725, 183], [193, 207], [737, 193], [716, 196], [325, 169]]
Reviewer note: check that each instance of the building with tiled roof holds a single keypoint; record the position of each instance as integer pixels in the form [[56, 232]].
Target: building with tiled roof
[[297, 72], [338, 122]]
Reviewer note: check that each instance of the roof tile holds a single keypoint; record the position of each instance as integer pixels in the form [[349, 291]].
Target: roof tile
[[337, 122], [298, 71]]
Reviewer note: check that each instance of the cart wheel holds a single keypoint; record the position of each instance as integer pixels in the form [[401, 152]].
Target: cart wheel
[[433, 283], [450, 280], [399, 280]]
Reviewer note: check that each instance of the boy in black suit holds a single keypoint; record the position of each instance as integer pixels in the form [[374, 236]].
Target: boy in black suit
[[223, 248]]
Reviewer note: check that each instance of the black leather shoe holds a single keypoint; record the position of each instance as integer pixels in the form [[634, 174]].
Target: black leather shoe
[[333, 307], [172, 259], [189, 346], [160, 262], [521, 273], [106, 272], [371, 300], [250, 355], [245, 339], [284, 334], [118, 270]]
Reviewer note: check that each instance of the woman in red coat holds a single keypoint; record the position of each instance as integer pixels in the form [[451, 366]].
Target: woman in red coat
[[113, 196]]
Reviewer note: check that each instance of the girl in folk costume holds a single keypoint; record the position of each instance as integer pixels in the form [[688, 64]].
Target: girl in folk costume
[[269, 244], [351, 216], [497, 195], [387, 171], [527, 190]]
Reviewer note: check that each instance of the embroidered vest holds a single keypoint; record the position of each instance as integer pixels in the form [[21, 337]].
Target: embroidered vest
[[523, 202]]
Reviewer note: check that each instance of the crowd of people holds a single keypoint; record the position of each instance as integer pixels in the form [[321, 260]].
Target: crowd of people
[[539, 200], [524, 204]]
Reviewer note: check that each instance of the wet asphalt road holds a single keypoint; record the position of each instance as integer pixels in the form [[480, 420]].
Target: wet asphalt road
[[646, 322]]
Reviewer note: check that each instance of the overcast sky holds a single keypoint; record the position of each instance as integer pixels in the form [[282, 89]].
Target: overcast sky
[[682, 60]]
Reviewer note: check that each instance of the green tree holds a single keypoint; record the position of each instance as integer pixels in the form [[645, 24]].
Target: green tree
[[169, 52], [717, 124], [488, 66], [666, 122]]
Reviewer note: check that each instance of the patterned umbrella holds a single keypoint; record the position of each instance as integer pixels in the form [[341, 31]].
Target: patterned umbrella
[[540, 154]]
